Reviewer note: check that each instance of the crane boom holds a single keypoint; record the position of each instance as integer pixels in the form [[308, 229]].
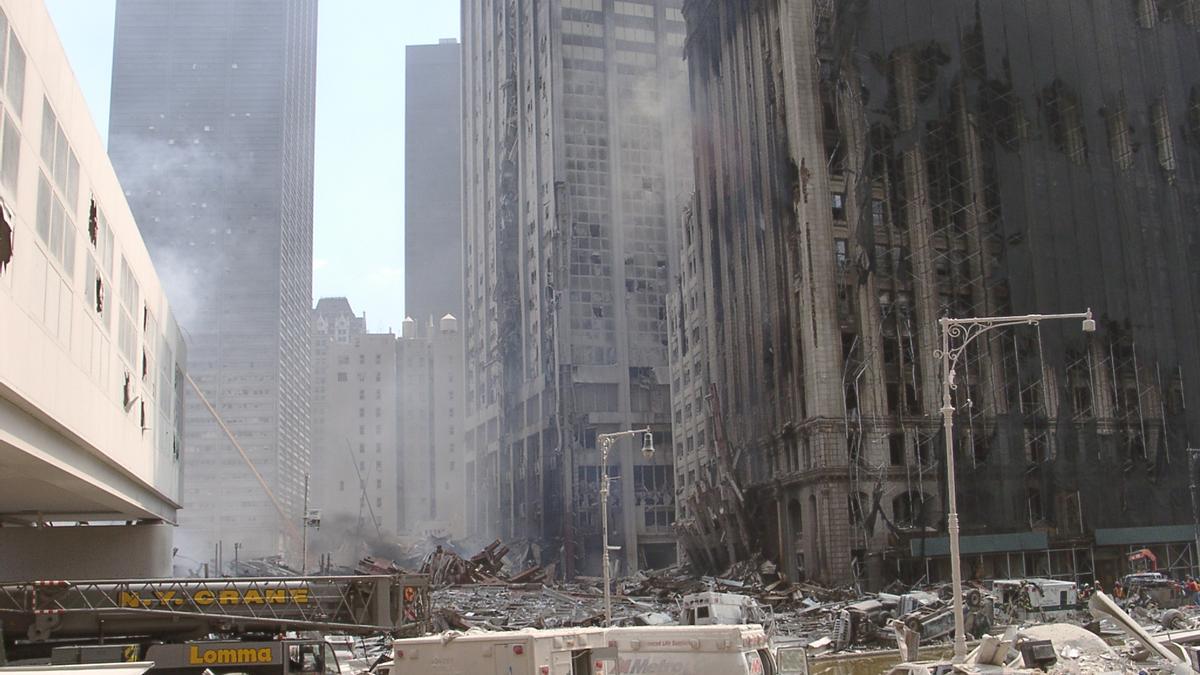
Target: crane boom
[[185, 608]]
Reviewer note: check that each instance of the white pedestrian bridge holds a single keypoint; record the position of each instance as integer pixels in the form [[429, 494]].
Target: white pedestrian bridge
[[91, 358]]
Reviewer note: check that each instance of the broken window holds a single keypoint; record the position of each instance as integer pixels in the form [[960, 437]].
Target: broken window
[[127, 392], [1065, 117], [896, 449], [6, 237], [838, 204], [1033, 500], [842, 253], [100, 295], [1036, 448], [891, 349], [93, 222], [1120, 136], [1162, 138]]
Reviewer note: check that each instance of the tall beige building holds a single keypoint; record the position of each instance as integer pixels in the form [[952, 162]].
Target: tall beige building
[[431, 458], [354, 480]]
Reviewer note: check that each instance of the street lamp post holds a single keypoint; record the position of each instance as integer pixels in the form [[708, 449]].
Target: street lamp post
[[606, 442], [964, 331]]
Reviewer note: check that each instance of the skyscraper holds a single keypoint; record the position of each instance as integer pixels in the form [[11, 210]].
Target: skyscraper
[[576, 163], [211, 133], [433, 276]]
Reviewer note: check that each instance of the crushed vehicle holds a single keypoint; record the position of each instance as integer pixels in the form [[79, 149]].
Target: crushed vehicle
[[711, 608], [1153, 589]]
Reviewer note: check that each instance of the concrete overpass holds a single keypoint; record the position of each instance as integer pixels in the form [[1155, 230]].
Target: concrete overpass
[[91, 358]]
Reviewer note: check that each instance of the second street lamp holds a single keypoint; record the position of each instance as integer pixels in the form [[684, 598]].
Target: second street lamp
[[606, 442], [956, 335]]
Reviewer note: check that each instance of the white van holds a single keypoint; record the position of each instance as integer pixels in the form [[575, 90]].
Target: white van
[[564, 651], [695, 650], [1044, 599]]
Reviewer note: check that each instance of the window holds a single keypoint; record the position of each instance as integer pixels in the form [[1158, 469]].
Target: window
[[14, 84], [896, 449], [838, 202], [341, 377], [878, 217], [10, 160]]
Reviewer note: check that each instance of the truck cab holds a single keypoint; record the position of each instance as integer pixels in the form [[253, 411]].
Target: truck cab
[[278, 657]]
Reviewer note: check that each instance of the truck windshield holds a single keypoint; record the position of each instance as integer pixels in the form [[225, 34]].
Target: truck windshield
[[307, 658], [331, 662]]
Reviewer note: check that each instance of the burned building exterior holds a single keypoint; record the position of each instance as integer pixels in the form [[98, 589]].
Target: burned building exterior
[[576, 159], [863, 169]]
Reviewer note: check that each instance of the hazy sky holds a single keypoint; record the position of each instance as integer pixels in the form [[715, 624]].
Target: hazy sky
[[359, 201]]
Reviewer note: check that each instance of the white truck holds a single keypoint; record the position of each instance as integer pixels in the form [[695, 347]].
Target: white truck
[[696, 650], [1040, 599], [563, 651], [691, 650]]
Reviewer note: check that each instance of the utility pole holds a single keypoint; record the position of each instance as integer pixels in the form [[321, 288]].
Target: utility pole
[[956, 335], [606, 442], [304, 535], [1195, 508], [236, 545]]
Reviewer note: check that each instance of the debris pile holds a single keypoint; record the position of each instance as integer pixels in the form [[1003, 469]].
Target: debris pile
[[446, 568]]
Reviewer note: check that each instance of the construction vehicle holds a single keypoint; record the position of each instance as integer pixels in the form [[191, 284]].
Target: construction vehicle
[[311, 656], [35, 616]]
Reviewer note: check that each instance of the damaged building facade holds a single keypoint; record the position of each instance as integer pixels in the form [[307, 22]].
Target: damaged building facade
[[576, 156], [863, 170]]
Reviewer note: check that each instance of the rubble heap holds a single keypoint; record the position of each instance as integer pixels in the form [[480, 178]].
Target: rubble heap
[[446, 567]]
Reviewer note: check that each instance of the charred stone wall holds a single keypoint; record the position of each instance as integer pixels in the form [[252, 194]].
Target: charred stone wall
[[865, 167]]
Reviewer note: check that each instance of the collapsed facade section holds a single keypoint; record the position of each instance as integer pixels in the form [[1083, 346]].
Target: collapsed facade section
[[863, 170]]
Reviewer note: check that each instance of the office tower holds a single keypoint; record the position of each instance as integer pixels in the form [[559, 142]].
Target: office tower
[[211, 133], [862, 171], [576, 162], [433, 266]]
